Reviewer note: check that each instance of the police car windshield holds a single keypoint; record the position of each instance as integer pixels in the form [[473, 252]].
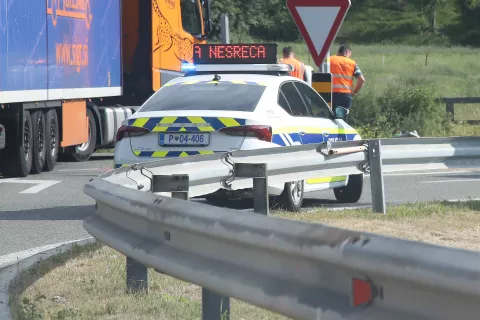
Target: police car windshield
[[206, 95]]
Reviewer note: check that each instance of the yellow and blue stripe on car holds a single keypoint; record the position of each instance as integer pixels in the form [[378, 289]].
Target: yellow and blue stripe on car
[[290, 136], [182, 124], [282, 136]]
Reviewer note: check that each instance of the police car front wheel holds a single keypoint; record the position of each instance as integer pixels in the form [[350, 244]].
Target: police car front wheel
[[291, 198], [352, 192]]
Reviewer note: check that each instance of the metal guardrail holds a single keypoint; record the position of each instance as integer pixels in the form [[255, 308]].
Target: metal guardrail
[[451, 102], [302, 270]]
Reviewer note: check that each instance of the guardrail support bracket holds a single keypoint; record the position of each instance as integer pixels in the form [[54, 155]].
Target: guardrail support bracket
[[376, 176], [259, 173], [177, 184]]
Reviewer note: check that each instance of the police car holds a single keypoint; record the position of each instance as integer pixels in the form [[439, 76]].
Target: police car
[[218, 108]]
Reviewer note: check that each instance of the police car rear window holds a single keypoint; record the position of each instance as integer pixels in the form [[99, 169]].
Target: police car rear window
[[206, 96]]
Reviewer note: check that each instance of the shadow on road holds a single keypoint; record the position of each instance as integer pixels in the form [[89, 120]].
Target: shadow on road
[[53, 214], [101, 157], [246, 204]]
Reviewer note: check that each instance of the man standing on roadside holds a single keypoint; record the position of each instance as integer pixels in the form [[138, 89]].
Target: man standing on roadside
[[289, 58], [343, 70]]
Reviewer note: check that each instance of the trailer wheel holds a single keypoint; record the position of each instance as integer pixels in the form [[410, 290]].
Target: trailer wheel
[[38, 142], [51, 140], [84, 151], [18, 159]]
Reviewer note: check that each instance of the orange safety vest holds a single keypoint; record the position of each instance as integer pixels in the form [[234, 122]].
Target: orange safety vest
[[297, 67], [342, 69]]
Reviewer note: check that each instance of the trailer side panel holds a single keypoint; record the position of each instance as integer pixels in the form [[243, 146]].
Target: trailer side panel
[[59, 49]]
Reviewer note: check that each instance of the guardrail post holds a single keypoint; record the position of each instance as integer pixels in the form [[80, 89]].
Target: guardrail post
[[376, 176], [257, 171], [215, 306], [137, 273], [137, 276]]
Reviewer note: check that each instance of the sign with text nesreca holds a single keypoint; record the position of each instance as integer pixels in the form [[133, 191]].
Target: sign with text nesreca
[[319, 22], [235, 53]]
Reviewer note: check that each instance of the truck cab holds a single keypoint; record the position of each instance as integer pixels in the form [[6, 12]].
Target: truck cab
[[162, 32]]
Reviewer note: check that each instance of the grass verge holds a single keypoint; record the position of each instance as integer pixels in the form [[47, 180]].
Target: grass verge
[[92, 286], [112, 150], [453, 70]]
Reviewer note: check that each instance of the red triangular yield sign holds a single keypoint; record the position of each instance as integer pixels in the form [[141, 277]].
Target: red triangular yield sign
[[319, 22]]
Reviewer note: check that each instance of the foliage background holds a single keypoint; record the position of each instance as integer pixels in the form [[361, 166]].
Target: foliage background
[[415, 22], [412, 52]]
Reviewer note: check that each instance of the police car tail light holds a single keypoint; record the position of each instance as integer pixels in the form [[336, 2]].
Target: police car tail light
[[131, 131], [260, 132]]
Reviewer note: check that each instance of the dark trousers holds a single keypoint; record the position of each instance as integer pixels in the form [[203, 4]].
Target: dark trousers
[[341, 100]]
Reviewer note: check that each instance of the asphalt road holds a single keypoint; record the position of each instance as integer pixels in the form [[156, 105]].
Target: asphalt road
[[49, 208]]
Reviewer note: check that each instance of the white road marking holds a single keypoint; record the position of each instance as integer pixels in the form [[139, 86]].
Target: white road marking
[[40, 184], [11, 258], [452, 180], [427, 173], [463, 200]]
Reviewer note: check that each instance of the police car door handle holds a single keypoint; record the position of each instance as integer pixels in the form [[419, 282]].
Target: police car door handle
[[302, 133], [326, 134]]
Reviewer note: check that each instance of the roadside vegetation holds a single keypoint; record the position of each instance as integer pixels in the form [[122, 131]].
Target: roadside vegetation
[[404, 85], [411, 53], [92, 284]]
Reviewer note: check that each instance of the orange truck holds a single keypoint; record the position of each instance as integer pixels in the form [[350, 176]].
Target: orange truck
[[72, 70]]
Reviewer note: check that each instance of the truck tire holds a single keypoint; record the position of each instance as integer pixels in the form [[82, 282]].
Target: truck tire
[[352, 192], [17, 160], [291, 198], [38, 144], [84, 151], [52, 137]]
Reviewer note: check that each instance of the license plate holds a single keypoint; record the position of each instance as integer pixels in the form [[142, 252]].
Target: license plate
[[182, 139]]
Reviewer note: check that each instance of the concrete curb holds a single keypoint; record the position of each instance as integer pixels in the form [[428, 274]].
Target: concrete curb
[[11, 273]]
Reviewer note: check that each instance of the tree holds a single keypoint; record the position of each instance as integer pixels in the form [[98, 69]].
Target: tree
[[469, 21], [432, 7]]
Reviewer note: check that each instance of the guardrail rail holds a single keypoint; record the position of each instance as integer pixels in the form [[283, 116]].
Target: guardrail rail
[[298, 269]]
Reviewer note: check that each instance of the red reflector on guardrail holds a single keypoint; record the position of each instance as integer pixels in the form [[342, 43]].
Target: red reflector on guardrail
[[362, 292]]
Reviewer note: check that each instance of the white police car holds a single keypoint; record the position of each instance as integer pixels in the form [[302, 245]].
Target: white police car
[[235, 107]]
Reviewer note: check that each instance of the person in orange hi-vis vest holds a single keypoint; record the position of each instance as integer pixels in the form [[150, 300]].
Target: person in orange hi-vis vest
[[343, 70], [289, 58]]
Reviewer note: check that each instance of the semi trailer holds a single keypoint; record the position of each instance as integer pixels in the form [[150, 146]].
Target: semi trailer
[[72, 70]]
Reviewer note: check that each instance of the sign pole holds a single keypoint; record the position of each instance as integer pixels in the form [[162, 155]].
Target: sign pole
[[326, 64]]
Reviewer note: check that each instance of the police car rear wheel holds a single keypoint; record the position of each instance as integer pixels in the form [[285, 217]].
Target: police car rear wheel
[[352, 192], [291, 198]]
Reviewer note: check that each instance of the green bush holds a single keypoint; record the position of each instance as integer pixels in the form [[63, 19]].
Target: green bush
[[404, 105]]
